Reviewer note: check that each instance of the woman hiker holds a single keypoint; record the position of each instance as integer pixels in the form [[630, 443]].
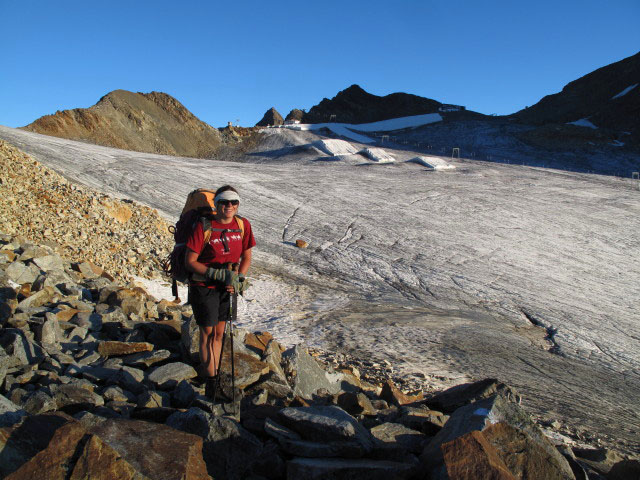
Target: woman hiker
[[213, 284]]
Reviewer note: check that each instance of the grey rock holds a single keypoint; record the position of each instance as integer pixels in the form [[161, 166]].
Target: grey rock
[[40, 402], [129, 378], [48, 262], [89, 320], [37, 299], [397, 436], [20, 273], [49, 332], [183, 394], [275, 385], [57, 279], [10, 413], [75, 335], [113, 393], [325, 424], [453, 398], [339, 468], [88, 358], [30, 251], [308, 377], [424, 420], [190, 339], [16, 343], [75, 398], [273, 357], [168, 376], [279, 432], [153, 399], [146, 359]]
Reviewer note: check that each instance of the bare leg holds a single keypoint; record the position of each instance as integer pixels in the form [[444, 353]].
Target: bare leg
[[210, 347], [206, 352]]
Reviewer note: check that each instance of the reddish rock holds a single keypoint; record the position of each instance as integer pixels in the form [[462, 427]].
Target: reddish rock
[[66, 315], [111, 348], [392, 394], [61, 460], [258, 340], [524, 457], [20, 443], [301, 243], [157, 451], [472, 457]]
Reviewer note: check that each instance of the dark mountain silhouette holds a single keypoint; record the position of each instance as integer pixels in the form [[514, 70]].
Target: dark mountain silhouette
[[354, 105], [145, 122], [593, 97]]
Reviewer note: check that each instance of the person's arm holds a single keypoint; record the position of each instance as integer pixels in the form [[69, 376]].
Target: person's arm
[[245, 262], [192, 263]]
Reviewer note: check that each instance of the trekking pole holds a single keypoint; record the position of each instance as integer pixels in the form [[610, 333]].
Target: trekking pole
[[233, 311]]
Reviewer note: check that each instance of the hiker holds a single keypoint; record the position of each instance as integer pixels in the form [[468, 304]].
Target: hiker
[[212, 284]]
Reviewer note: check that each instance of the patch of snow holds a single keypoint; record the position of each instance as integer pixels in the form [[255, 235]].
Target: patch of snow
[[335, 147], [345, 129], [617, 143], [345, 132], [625, 91], [398, 123], [583, 122], [435, 163], [378, 155]]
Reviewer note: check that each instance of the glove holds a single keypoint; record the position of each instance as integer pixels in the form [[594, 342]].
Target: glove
[[244, 285], [218, 275], [237, 282]]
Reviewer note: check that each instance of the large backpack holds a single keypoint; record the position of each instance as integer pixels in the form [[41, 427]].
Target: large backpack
[[199, 207]]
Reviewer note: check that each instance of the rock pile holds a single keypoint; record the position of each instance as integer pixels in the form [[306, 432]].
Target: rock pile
[[97, 380], [121, 236]]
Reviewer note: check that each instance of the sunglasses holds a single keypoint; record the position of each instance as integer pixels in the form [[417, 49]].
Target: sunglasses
[[225, 203]]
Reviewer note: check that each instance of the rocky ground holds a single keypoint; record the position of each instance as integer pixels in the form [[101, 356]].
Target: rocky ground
[[123, 237], [86, 356]]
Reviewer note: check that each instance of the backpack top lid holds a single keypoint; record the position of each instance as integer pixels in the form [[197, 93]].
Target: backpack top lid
[[201, 200]]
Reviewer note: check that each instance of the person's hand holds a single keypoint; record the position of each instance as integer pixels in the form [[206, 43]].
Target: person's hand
[[219, 275]]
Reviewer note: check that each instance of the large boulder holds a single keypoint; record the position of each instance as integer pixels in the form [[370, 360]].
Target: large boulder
[[155, 450], [480, 415], [524, 457], [10, 413], [472, 457], [74, 454], [168, 376], [326, 424], [453, 398], [230, 451], [308, 377], [22, 442]]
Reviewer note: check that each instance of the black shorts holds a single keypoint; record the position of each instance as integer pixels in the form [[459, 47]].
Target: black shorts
[[209, 305]]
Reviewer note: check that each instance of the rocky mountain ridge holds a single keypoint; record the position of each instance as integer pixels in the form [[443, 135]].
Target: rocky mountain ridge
[[144, 122]]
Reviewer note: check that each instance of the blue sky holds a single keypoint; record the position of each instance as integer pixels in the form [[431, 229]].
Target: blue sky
[[228, 61]]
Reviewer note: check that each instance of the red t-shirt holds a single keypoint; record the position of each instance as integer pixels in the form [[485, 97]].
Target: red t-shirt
[[214, 251]]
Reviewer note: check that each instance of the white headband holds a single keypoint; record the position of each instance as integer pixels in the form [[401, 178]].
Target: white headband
[[226, 195]]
